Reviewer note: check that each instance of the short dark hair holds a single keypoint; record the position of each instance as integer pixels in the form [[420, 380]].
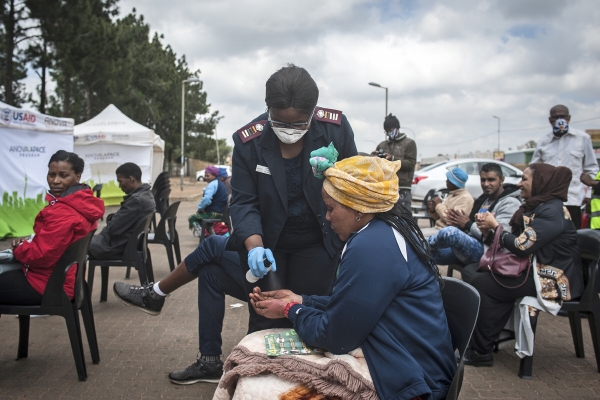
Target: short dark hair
[[391, 122], [492, 167], [76, 162], [292, 86], [130, 169]]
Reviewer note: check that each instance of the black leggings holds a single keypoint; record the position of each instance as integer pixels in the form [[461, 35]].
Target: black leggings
[[15, 290]]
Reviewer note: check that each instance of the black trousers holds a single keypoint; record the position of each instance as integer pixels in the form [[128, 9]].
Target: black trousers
[[575, 212], [15, 290], [308, 270], [496, 306]]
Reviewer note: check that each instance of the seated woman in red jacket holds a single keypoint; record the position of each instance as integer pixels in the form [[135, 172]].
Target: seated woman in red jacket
[[72, 213]]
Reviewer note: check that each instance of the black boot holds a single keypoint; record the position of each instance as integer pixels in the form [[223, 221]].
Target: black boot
[[475, 359]]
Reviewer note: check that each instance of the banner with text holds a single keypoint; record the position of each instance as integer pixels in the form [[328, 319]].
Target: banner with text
[[24, 156], [102, 160]]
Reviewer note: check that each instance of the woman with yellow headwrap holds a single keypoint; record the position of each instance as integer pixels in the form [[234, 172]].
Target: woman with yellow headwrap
[[386, 297]]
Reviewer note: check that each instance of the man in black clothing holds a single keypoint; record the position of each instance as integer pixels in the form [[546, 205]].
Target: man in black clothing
[[138, 203]]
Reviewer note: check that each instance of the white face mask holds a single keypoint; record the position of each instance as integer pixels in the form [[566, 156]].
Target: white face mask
[[289, 135]]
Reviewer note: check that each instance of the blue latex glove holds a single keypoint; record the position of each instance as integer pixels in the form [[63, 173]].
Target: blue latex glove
[[256, 258]]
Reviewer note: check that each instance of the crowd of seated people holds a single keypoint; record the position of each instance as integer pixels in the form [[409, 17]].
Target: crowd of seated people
[[534, 223]]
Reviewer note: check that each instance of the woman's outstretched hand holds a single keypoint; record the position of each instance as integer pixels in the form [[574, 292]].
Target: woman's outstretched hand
[[272, 304], [283, 294]]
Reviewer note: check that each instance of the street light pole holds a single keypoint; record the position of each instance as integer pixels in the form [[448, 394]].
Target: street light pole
[[498, 118], [217, 140], [182, 124], [386, 96]]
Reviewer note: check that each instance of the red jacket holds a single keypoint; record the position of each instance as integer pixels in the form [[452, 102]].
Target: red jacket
[[62, 222]]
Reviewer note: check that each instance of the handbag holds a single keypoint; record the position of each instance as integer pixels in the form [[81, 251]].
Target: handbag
[[501, 261]]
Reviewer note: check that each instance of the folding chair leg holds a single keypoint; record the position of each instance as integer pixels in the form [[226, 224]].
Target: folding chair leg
[[149, 270], [128, 273], [23, 336], [594, 320], [526, 366], [170, 256], [90, 327], [90, 279], [449, 271], [576, 332], [177, 248], [104, 291], [72, 320]]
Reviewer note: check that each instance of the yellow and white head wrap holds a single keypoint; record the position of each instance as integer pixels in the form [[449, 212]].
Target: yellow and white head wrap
[[365, 184]]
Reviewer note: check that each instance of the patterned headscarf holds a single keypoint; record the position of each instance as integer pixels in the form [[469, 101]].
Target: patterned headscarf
[[365, 184]]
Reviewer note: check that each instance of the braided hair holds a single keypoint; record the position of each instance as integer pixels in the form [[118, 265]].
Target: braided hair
[[404, 223]]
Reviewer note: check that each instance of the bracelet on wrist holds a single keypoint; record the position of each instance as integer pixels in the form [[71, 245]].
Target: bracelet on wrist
[[288, 306]]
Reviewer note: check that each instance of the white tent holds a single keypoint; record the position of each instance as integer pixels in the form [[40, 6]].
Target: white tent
[[111, 139], [27, 141]]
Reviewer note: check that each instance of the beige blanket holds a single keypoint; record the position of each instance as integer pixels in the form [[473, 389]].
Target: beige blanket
[[250, 374]]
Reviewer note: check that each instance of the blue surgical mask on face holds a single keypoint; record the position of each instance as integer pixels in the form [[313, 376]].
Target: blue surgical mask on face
[[561, 126]]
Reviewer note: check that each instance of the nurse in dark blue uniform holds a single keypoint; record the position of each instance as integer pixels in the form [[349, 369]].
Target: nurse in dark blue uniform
[[276, 209]]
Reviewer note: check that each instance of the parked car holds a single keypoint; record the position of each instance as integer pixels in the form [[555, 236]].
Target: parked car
[[434, 176], [200, 174]]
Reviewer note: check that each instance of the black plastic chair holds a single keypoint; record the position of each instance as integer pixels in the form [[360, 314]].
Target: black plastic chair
[[162, 179], [461, 303], [206, 224], [421, 212], [589, 303], [136, 255], [454, 267], [166, 234], [98, 193], [56, 302], [161, 200]]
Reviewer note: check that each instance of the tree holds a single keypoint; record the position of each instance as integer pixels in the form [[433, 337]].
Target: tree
[[203, 147], [12, 59]]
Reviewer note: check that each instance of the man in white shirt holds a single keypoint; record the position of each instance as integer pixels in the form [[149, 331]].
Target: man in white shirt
[[570, 148]]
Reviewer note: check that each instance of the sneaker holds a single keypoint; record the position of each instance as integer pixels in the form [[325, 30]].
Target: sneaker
[[142, 297], [478, 360], [200, 371]]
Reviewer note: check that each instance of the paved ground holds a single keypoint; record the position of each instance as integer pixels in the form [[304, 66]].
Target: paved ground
[[138, 351]]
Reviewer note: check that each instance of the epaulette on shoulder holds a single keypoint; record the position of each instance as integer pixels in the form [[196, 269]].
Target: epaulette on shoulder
[[252, 130], [328, 115]]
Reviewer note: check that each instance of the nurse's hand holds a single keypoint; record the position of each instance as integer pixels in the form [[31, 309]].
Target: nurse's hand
[[270, 308], [256, 262]]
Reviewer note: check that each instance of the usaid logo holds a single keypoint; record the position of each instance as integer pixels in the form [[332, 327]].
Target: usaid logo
[[89, 138], [6, 115], [23, 117]]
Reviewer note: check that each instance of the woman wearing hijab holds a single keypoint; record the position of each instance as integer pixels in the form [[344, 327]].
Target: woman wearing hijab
[[213, 202], [386, 298], [541, 228]]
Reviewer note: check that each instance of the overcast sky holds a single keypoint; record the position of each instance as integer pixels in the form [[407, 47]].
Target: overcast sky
[[449, 68]]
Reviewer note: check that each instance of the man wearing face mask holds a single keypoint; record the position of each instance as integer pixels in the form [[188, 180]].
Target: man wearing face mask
[[276, 210], [568, 147], [399, 147]]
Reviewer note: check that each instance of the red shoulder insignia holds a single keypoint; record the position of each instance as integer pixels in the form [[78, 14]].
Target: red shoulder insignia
[[328, 115], [251, 131]]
